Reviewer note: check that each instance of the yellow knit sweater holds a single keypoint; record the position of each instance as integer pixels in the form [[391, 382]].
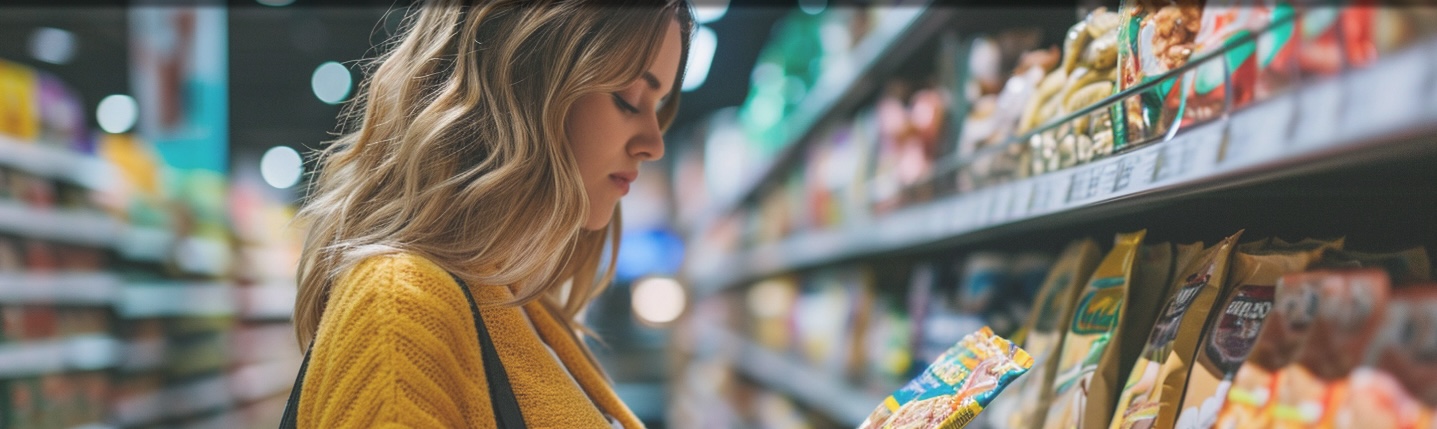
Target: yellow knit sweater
[[397, 348]]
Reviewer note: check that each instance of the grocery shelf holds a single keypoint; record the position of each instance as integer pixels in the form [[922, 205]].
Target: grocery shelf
[[52, 161], [78, 352], [818, 390], [1365, 116], [267, 302], [176, 299], [209, 393], [82, 227], [260, 381], [841, 86], [143, 355], [63, 288]]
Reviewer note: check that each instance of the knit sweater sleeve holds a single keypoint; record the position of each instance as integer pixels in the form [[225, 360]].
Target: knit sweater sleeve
[[396, 348]]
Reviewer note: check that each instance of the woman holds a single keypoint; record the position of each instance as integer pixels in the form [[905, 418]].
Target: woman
[[488, 148]]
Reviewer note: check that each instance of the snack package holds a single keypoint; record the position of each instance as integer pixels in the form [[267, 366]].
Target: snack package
[[1086, 73], [1150, 395], [1046, 326], [982, 277], [1388, 390], [1249, 403], [1096, 318], [1151, 277], [1225, 23], [1154, 38], [1233, 326], [1311, 388], [1403, 267], [956, 387]]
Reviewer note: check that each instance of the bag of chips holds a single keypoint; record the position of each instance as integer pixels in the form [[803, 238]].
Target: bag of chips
[[1094, 324], [1311, 388], [1400, 369], [1404, 267], [1233, 326], [956, 387], [1151, 394], [1046, 325], [1249, 402]]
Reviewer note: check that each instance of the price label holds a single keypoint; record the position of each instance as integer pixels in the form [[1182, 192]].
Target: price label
[[1388, 94], [1170, 162], [1022, 199], [1060, 184], [1261, 131], [1002, 198], [1040, 196], [1107, 179], [1203, 149], [1079, 188], [1319, 105], [1145, 168]]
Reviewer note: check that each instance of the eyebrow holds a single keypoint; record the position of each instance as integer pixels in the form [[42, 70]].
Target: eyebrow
[[654, 84]]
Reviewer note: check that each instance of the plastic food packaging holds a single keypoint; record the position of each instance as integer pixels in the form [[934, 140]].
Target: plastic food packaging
[[1249, 402], [1311, 388], [1397, 386], [956, 387], [1154, 38], [1150, 395], [1046, 326], [1233, 327], [1095, 323]]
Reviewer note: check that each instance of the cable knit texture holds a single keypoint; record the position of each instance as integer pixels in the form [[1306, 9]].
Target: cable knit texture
[[397, 348]]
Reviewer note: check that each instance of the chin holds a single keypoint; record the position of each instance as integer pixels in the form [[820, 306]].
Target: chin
[[599, 221]]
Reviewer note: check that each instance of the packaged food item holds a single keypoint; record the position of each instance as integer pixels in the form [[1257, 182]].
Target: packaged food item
[[1310, 389], [983, 280], [1152, 276], [1250, 401], [1095, 323], [1396, 388], [1403, 267], [1320, 48], [888, 355], [1046, 327], [1150, 395], [1277, 51], [1086, 74], [770, 305], [1230, 25], [1233, 326], [956, 387], [1155, 37]]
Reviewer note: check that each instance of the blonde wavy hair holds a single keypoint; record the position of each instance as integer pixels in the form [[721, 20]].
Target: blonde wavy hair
[[455, 148]]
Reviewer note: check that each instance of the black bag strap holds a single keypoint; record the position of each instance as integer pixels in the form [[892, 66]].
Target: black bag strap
[[501, 395]]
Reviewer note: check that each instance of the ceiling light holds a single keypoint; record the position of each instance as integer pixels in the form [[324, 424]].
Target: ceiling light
[[117, 113], [281, 167], [701, 56], [710, 10], [52, 45], [658, 300], [331, 82]]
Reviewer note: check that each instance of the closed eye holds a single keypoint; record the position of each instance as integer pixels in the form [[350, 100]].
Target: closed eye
[[625, 105]]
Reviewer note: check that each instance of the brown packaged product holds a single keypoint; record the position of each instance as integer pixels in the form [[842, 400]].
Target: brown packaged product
[[1096, 321], [1396, 386], [1152, 274], [1153, 388], [1046, 326], [1305, 244], [1233, 327], [1253, 246], [1288, 324], [1350, 309], [1404, 267]]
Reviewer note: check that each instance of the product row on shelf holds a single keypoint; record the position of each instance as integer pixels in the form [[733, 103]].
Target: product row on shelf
[[1133, 334], [1002, 129], [132, 293]]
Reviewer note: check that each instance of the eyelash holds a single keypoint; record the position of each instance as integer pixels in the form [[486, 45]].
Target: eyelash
[[625, 105]]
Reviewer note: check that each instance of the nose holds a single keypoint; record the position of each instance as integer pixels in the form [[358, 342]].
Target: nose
[[648, 144]]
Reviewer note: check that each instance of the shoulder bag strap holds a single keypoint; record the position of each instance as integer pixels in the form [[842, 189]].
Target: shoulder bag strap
[[501, 395]]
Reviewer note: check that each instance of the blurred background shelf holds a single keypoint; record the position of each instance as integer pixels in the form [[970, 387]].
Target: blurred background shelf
[[60, 288], [74, 353], [818, 390], [175, 299], [53, 161], [1395, 123]]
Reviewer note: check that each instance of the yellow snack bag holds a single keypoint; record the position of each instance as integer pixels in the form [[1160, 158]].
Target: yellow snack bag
[[1094, 324], [1152, 392]]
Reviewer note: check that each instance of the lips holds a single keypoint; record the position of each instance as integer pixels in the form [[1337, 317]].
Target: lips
[[623, 180]]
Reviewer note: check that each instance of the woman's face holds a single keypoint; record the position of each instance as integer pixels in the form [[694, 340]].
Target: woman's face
[[612, 133]]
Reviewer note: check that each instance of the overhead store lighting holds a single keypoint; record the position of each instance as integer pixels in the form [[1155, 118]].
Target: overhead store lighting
[[707, 11], [658, 300], [281, 167], [331, 82], [701, 56], [117, 113], [812, 7], [275, 3], [52, 45]]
